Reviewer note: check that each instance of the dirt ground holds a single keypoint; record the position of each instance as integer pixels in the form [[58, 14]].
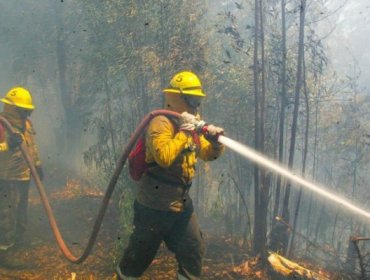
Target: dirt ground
[[75, 208]]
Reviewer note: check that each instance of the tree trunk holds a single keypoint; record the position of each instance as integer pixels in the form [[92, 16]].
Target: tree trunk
[[305, 150], [262, 183], [295, 116], [274, 237], [70, 129], [256, 232]]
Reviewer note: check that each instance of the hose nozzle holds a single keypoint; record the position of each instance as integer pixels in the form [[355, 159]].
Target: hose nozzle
[[201, 127]]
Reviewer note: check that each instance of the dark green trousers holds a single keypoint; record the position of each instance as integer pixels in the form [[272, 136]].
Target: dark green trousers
[[22, 209], [13, 211], [179, 231]]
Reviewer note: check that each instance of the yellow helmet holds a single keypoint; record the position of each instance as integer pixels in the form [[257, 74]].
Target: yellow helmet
[[185, 82], [20, 97]]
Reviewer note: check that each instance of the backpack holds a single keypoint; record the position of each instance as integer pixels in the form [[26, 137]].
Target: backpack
[[137, 165], [136, 159]]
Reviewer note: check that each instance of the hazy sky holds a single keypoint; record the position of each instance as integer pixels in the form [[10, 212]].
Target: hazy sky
[[350, 41]]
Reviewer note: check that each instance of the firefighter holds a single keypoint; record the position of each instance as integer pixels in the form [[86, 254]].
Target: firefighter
[[14, 172], [163, 209]]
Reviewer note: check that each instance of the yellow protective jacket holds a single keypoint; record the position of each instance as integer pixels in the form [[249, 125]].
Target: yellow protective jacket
[[175, 154], [13, 167]]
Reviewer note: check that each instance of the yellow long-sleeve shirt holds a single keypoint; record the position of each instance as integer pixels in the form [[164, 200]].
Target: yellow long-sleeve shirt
[[175, 154]]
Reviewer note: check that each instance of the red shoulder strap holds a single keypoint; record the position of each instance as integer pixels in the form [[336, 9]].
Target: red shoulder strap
[[2, 132]]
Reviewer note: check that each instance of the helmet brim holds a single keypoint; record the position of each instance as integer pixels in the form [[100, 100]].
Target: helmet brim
[[6, 101], [195, 92]]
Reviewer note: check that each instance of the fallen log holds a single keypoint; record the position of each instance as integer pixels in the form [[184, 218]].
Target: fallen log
[[289, 269]]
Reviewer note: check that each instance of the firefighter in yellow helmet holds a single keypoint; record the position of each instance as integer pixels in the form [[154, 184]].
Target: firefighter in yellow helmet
[[163, 210], [14, 171]]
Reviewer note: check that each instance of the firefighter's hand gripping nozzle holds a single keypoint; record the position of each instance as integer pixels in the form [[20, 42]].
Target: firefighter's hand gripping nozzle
[[210, 131], [189, 122]]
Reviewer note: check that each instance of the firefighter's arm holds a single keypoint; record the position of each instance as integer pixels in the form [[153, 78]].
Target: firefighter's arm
[[3, 145], [210, 150], [35, 154], [33, 148], [162, 141], [13, 141]]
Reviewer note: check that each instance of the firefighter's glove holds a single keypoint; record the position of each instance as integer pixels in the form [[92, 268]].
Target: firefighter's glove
[[187, 122], [212, 132], [186, 117], [14, 140], [188, 127], [40, 172]]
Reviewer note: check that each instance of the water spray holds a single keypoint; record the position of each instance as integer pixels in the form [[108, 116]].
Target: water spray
[[263, 161]]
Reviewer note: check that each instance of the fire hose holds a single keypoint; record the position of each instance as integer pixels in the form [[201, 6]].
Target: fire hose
[[245, 151], [108, 193]]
